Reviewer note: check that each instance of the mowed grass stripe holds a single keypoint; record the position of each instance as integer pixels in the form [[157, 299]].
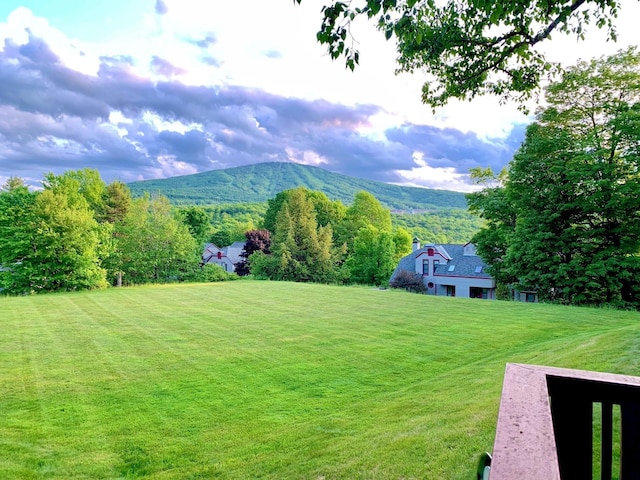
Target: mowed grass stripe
[[273, 380]]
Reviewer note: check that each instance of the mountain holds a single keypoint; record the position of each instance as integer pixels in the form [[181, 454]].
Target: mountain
[[262, 181]]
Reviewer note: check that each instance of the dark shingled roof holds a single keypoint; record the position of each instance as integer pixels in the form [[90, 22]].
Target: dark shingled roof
[[465, 266]]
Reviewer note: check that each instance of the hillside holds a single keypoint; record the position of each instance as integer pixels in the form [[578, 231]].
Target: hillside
[[260, 182]]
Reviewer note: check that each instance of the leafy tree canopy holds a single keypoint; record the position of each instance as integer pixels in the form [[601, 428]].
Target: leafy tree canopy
[[80, 186], [49, 242], [373, 258], [467, 47], [152, 245], [565, 219], [197, 221], [257, 241]]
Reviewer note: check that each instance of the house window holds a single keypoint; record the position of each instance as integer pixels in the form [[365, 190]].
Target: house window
[[530, 297], [452, 268], [478, 269], [477, 292], [451, 290], [430, 252], [435, 264], [425, 267]]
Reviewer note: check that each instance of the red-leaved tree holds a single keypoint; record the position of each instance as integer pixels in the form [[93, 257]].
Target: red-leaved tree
[[257, 241]]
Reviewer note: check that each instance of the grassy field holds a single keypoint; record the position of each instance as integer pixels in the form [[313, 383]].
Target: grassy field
[[274, 380]]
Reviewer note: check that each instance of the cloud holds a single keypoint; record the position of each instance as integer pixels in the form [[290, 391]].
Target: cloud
[[132, 126], [272, 53], [164, 67], [204, 42], [161, 7], [448, 147]]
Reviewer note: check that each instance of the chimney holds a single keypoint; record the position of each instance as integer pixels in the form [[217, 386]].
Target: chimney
[[416, 244]]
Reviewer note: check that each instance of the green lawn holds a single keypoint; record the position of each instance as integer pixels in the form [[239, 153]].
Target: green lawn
[[274, 380]]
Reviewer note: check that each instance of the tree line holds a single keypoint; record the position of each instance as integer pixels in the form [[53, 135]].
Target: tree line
[[307, 237], [78, 233]]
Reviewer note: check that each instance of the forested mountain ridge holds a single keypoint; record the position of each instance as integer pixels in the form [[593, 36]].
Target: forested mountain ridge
[[262, 181]]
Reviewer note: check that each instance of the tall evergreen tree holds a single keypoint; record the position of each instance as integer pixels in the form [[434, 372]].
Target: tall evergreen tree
[[116, 204], [328, 212], [302, 250]]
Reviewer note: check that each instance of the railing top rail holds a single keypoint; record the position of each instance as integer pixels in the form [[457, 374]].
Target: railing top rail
[[525, 446]]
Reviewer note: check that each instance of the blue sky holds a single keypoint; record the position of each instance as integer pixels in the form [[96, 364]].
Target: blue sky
[[143, 89]]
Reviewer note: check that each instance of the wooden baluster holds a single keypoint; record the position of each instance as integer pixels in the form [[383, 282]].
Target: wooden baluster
[[606, 448]]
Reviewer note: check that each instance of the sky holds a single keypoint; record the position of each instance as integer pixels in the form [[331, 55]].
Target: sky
[[143, 89]]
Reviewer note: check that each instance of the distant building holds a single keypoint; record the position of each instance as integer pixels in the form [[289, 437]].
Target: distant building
[[452, 270], [226, 257]]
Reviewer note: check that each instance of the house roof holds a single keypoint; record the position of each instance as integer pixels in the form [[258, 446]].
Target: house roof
[[463, 265], [232, 252]]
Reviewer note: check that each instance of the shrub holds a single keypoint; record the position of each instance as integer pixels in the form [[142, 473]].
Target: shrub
[[210, 272], [411, 282]]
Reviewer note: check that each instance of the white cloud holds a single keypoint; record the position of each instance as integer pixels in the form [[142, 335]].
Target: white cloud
[[306, 157], [423, 175], [169, 166]]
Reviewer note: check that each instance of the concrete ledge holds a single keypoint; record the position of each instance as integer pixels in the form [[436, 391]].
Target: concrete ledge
[[526, 443]]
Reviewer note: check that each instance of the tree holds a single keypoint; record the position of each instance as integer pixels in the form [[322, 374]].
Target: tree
[[492, 241], [402, 244], [328, 212], [230, 230], [17, 235], [468, 47], [373, 259], [116, 203], [197, 221], [372, 246], [79, 185], [12, 183], [257, 241], [570, 204], [49, 241], [302, 250], [364, 211], [152, 245]]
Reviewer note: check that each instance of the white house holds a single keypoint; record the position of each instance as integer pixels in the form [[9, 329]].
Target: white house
[[226, 257], [451, 270]]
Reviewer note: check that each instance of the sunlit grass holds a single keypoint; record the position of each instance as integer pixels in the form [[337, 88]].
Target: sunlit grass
[[274, 380]]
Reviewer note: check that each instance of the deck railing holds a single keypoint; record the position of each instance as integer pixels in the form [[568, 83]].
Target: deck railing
[[551, 418]]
